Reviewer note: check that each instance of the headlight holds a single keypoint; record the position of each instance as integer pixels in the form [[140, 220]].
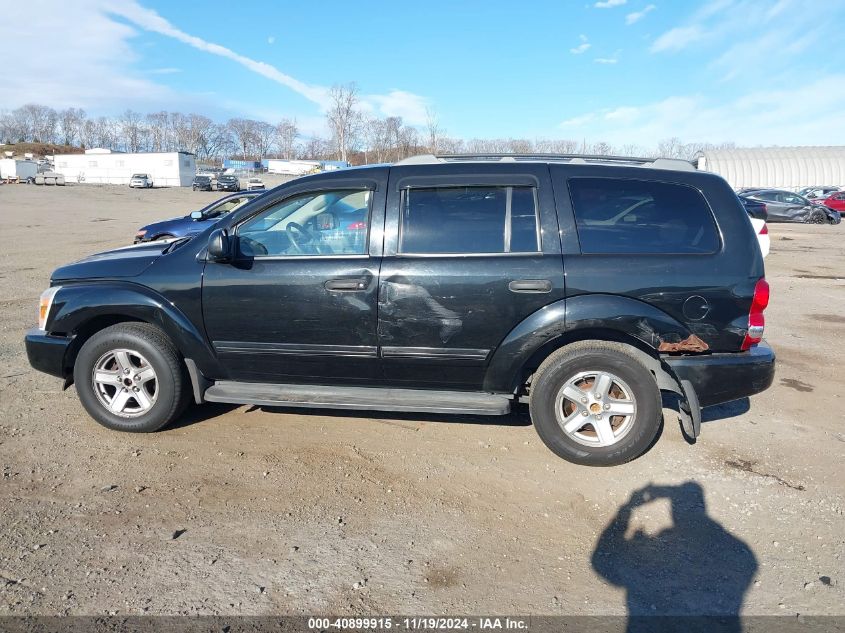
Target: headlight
[[44, 305]]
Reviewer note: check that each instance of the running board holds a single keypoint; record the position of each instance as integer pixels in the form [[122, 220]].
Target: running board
[[363, 398]]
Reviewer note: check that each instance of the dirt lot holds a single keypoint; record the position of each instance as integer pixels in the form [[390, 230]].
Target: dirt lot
[[241, 510]]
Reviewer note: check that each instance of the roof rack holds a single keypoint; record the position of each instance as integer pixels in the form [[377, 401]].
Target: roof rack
[[573, 159]]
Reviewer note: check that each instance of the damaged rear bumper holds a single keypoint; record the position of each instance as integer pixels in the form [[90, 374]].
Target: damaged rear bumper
[[719, 378]]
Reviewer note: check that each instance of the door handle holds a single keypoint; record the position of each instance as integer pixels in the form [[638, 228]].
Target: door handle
[[346, 285], [530, 285]]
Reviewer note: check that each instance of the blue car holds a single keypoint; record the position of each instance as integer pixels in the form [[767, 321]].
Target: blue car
[[195, 222]]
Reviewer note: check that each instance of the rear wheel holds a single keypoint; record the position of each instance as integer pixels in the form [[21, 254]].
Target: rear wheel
[[129, 378], [595, 403]]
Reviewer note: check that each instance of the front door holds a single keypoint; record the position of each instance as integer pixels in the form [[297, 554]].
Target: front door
[[469, 253], [298, 303]]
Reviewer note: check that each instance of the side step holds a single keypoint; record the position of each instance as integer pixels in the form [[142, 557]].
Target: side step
[[363, 398]]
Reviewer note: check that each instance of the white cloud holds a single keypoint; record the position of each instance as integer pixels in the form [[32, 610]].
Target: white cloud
[[605, 60], [87, 63], [578, 121], [582, 47], [765, 117], [636, 16], [677, 38], [152, 21], [165, 71], [609, 4], [411, 107]]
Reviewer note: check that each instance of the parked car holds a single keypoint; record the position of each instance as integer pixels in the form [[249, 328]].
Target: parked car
[[202, 183], [143, 181], [758, 216], [193, 223], [835, 201], [254, 183], [786, 206], [816, 193], [456, 301], [228, 182]]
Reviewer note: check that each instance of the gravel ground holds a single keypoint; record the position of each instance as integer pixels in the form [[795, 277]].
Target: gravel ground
[[244, 510]]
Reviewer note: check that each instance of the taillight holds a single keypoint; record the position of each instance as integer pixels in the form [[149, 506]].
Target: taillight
[[357, 226], [756, 320], [765, 229]]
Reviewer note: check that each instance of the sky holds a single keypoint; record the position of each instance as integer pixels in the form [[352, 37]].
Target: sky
[[753, 72]]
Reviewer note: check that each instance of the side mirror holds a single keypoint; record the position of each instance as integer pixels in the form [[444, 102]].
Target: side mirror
[[219, 246], [196, 215]]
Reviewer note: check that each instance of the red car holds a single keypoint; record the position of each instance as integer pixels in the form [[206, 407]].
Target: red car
[[835, 201]]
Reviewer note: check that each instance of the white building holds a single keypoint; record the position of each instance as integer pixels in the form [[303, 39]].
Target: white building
[[292, 167], [777, 167], [167, 169]]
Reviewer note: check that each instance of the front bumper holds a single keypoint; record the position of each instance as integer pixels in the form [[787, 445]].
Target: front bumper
[[47, 353], [719, 378]]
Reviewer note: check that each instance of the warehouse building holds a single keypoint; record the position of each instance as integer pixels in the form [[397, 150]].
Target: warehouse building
[[104, 166], [777, 167]]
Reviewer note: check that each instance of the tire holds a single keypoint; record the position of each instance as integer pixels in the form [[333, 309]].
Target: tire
[[817, 217], [632, 392], [141, 348]]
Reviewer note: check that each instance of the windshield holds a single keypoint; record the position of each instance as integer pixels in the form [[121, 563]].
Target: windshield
[[226, 206], [139, 175]]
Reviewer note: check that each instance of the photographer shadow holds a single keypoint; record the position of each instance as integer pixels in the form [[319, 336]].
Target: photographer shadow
[[694, 572]]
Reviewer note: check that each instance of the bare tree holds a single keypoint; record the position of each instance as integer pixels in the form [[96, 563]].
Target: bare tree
[[70, 124], [263, 137], [243, 131], [343, 118], [433, 126], [286, 134], [376, 140], [131, 125]]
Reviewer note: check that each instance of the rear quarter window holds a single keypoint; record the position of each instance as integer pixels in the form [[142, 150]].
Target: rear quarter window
[[626, 216]]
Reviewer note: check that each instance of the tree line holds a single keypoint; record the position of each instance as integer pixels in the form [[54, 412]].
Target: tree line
[[354, 135]]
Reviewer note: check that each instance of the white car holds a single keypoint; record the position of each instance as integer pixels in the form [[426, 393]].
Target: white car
[[254, 183], [762, 231], [141, 180]]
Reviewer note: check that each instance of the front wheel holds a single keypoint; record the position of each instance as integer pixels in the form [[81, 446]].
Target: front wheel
[[595, 403], [129, 378], [817, 217]]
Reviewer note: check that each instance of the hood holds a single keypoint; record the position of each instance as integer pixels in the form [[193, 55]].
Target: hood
[[127, 261], [163, 224]]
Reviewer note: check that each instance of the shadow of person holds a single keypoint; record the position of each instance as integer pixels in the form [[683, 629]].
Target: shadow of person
[[695, 571]]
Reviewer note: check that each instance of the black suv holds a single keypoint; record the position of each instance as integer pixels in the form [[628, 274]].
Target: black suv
[[228, 182], [202, 183], [581, 285]]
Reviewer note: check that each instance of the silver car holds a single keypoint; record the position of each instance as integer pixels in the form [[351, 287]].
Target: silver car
[[141, 180]]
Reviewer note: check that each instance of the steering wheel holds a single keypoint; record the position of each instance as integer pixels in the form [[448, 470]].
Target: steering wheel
[[299, 236]]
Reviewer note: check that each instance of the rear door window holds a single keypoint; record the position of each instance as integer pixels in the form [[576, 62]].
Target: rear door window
[[476, 219], [626, 216]]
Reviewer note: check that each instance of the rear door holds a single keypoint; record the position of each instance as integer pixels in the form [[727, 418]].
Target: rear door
[[470, 251]]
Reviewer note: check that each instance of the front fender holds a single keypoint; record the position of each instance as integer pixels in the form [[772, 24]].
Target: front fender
[[76, 305], [564, 319]]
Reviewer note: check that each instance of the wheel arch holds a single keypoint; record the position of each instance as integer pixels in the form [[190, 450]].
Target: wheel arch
[[610, 318], [82, 310]]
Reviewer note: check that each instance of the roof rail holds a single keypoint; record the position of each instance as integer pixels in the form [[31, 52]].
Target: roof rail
[[653, 163]]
